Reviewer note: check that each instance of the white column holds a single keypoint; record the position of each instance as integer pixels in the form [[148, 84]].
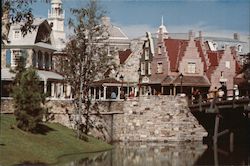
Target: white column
[[128, 89], [89, 92], [162, 90], [68, 90], [61, 91], [174, 90], [43, 60], [52, 90], [170, 91], [37, 60], [104, 92], [119, 93], [94, 93], [100, 92], [45, 87], [57, 92], [50, 62]]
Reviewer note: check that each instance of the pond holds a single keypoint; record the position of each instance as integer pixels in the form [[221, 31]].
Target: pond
[[161, 154]]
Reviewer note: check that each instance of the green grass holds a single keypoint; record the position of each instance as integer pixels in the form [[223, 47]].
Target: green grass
[[17, 146]]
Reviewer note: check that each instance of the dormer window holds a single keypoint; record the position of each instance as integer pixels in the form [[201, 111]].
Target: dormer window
[[215, 46], [159, 67], [191, 67], [239, 48], [159, 50], [146, 54], [17, 34]]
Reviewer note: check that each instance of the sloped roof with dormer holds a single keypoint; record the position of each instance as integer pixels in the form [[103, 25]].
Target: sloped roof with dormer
[[31, 38]]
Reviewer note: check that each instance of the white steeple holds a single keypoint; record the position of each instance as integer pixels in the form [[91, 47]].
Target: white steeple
[[162, 28], [56, 17]]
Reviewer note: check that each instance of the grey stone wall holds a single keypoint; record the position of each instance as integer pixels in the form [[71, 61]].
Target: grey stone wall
[[157, 118], [152, 118]]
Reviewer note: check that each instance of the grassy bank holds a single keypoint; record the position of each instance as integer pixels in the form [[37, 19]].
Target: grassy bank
[[17, 146]]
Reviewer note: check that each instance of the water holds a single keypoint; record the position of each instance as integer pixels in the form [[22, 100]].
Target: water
[[162, 154]]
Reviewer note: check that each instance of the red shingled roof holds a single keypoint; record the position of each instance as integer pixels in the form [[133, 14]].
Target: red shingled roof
[[175, 48], [198, 44], [123, 55], [214, 59]]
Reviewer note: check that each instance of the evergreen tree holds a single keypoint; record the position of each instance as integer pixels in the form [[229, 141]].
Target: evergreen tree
[[28, 98]]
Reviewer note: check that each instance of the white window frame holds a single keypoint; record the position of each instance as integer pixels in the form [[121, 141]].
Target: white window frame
[[191, 67], [149, 68], [142, 68], [16, 34], [159, 67], [146, 54], [228, 64], [159, 50]]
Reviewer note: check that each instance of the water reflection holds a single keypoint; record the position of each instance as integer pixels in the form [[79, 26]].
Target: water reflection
[[144, 154]]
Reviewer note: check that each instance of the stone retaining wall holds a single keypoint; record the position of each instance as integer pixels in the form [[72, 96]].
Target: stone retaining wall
[[157, 118], [154, 118]]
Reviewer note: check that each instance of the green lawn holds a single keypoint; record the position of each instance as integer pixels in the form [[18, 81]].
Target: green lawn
[[17, 146]]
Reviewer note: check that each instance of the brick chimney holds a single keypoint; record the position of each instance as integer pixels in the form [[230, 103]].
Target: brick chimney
[[236, 36]]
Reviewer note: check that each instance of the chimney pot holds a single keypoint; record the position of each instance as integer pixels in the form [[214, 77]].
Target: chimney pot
[[236, 36]]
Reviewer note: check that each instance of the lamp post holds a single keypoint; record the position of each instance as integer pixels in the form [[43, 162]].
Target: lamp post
[[139, 74], [122, 92], [181, 77], [121, 78]]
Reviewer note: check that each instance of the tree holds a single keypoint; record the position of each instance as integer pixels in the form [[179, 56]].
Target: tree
[[16, 11], [87, 58], [27, 97]]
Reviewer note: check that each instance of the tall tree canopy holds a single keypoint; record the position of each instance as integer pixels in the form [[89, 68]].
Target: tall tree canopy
[[87, 56]]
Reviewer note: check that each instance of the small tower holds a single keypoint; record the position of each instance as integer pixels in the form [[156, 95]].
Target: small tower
[[162, 31], [56, 19]]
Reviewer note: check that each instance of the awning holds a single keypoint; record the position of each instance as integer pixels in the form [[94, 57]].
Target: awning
[[195, 81], [44, 75]]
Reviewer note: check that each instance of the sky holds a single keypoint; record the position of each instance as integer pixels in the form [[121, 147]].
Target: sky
[[136, 17]]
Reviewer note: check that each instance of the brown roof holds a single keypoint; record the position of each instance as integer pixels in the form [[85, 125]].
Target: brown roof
[[201, 53], [175, 48], [168, 80], [123, 55], [192, 81], [214, 59]]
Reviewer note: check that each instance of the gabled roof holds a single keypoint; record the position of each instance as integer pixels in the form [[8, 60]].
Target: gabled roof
[[30, 38], [123, 55], [175, 49], [214, 59]]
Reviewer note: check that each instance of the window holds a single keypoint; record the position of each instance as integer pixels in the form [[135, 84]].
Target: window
[[8, 58], [228, 64], [146, 54], [159, 67], [239, 48], [17, 34], [191, 67], [159, 50], [142, 68], [149, 68], [215, 46], [16, 55], [34, 60]]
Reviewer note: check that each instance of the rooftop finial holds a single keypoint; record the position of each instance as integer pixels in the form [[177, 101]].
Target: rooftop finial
[[161, 20]]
